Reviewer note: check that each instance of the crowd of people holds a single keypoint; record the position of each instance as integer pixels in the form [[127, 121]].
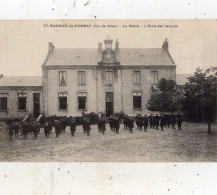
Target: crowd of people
[[142, 122]]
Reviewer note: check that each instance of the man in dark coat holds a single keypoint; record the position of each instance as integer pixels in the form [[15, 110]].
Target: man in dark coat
[[179, 121], [154, 121], [11, 131], [150, 118], [86, 126], [64, 124], [35, 129], [26, 127], [125, 122], [162, 122], [130, 125], [157, 120], [57, 128], [46, 130], [173, 121], [116, 125], [139, 122], [145, 122], [16, 129], [101, 125], [73, 127], [111, 123]]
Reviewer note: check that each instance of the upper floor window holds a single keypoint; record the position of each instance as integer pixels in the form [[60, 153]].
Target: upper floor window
[[136, 77], [3, 101], [109, 78], [81, 77], [62, 101], [62, 77], [154, 77], [22, 101]]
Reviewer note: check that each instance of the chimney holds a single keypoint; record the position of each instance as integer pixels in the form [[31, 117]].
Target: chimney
[[1, 76], [165, 45], [100, 47], [116, 45], [50, 46]]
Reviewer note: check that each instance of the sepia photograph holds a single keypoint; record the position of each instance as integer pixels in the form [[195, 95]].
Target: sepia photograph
[[108, 91]]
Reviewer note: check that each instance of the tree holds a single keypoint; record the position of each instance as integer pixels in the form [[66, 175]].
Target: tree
[[200, 96], [165, 97]]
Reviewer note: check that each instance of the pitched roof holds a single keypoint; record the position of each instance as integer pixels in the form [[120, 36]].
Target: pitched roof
[[181, 79], [21, 81], [126, 56]]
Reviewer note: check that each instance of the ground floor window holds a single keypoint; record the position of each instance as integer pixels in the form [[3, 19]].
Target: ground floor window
[[3, 101], [82, 97], [62, 101], [137, 100], [22, 101]]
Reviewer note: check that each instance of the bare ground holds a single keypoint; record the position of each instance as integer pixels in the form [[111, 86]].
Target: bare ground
[[192, 143]]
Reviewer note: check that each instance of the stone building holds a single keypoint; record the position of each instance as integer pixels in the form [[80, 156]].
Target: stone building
[[106, 79], [20, 96]]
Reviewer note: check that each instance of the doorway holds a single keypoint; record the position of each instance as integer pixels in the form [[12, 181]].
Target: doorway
[[36, 105], [109, 104]]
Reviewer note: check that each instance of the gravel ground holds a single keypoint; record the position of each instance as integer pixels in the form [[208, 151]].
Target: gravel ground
[[192, 143]]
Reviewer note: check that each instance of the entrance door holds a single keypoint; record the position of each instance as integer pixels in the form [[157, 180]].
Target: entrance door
[[36, 105], [109, 103]]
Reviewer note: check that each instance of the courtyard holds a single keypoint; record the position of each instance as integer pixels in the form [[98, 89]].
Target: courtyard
[[191, 144]]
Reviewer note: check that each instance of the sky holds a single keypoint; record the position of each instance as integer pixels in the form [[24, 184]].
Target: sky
[[24, 44]]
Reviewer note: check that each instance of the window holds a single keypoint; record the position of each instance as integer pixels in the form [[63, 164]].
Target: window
[[22, 101], [82, 96], [62, 78], [136, 77], [81, 77], [154, 77], [137, 100], [62, 101], [109, 77], [3, 101]]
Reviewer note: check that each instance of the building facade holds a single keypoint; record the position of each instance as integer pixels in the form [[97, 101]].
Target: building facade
[[106, 79], [20, 96]]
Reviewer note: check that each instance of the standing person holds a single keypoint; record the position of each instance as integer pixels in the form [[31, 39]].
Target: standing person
[[64, 124], [111, 123], [11, 130], [173, 121], [145, 122], [157, 119], [86, 126], [57, 128], [125, 122], [73, 127], [167, 120], [25, 130], [162, 122], [50, 124], [16, 129], [116, 125], [46, 130], [154, 121], [130, 125], [21, 128], [101, 126], [150, 118], [34, 130], [140, 122], [137, 120], [179, 121]]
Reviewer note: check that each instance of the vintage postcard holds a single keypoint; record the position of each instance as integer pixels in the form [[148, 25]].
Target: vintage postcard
[[108, 91]]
